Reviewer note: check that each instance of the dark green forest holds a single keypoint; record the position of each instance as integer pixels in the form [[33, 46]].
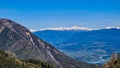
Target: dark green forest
[[9, 61], [114, 62]]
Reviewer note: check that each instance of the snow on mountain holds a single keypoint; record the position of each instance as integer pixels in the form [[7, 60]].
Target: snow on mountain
[[110, 27], [73, 28], [33, 30], [64, 28], [69, 28]]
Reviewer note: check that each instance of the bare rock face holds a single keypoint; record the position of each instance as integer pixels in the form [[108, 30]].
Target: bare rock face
[[19, 40]]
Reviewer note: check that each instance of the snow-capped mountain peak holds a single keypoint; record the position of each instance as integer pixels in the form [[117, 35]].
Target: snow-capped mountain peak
[[69, 28], [64, 28], [74, 28], [110, 27]]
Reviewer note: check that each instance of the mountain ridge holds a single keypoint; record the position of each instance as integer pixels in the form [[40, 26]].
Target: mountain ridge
[[64, 29], [97, 44], [73, 28], [25, 45]]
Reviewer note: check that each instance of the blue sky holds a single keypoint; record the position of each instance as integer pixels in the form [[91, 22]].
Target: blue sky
[[36, 14]]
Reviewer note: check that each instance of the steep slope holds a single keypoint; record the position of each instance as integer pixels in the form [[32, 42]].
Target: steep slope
[[17, 39]]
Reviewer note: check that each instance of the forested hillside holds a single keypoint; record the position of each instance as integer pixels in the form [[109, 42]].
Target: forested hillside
[[8, 60], [114, 62]]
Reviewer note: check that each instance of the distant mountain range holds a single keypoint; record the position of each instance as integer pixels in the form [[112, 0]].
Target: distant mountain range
[[64, 28], [73, 28], [16, 39], [55, 36], [94, 46]]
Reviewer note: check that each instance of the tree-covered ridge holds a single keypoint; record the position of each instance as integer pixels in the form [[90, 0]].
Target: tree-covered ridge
[[8, 61], [114, 62]]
